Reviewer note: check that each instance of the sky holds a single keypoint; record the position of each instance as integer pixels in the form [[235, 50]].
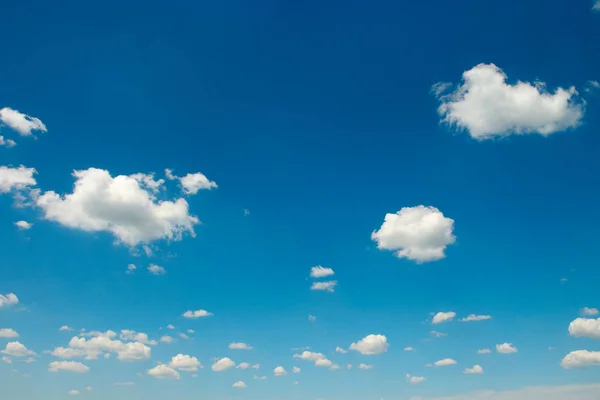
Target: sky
[[328, 200]]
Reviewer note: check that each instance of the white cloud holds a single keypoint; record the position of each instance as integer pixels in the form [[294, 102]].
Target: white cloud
[[167, 339], [244, 365], [445, 362], [418, 233], [438, 334], [197, 314], [310, 356], [137, 337], [312, 318], [486, 106], [120, 205], [69, 366], [170, 326], [323, 362], [7, 333], [442, 317], [589, 312], [6, 360], [185, 363], [7, 142], [328, 286], [240, 346], [584, 327], [17, 178], [596, 6], [22, 123], [131, 351], [340, 350], [239, 385], [371, 345], [484, 351], [223, 364], [256, 366], [295, 370], [29, 360], [184, 336], [409, 349], [477, 369], [474, 317], [191, 331], [23, 225], [65, 328], [69, 353], [259, 378], [279, 371], [156, 269], [365, 366], [415, 379], [16, 349], [163, 371], [192, 183], [506, 348], [571, 392], [73, 392], [581, 359], [320, 272], [131, 269]]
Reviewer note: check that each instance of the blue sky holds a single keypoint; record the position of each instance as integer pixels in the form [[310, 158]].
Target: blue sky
[[441, 159]]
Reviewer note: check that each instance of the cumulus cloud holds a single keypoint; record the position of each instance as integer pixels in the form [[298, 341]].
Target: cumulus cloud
[[474, 317], [279, 371], [442, 317], [340, 350], [130, 269], [7, 142], [103, 342], [320, 272], [240, 346], [16, 178], [23, 225], [185, 363], [22, 123], [68, 366], [328, 286], [7, 333], [418, 233], [487, 106], [584, 327], [239, 385], [16, 349], [65, 328], [365, 366], [192, 183], [243, 365], [589, 312], [484, 351], [506, 348], [223, 364], [167, 339], [295, 370], [196, 314], [73, 392], [445, 362], [477, 369], [571, 392], [121, 205], [371, 345], [581, 359], [137, 337], [415, 379], [156, 269], [163, 371], [312, 318]]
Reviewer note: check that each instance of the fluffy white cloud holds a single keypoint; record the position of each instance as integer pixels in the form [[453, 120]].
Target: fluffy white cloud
[[244, 365], [73, 392], [6, 360], [167, 339], [484, 351], [295, 370], [371, 345], [409, 349], [137, 337], [418, 233], [581, 359], [584, 327], [7, 142], [312, 318], [16, 178], [22, 123], [445, 362], [163, 371], [474, 317], [69, 366], [170, 326], [196, 314], [340, 350], [156, 269], [365, 366], [486, 106], [239, 385], [121, 205], [323, 362], [65, 328], [23, 225], [320, 272], [131, 351], [310, 356], [477, 369], [442, 317], [192, 183], [571, 392], [240, 346], [415, 379], [589, 312], [328, 286], [506, 348], [69, 353], [279, 371], [16, 349], [185, 363], [7, 333], [131, 269], [223, 364]]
